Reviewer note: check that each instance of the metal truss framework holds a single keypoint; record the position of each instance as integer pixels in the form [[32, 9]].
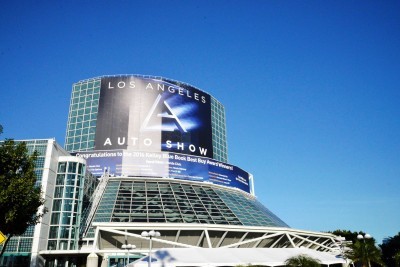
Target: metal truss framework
[[109, 237]]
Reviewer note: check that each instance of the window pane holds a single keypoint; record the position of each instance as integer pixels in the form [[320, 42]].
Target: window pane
[[72, 167], [55, 217], [69, 192], [66, 218], [53, 231], [60, 179], [52, 245], [67, 205], [64, 231], [62, 166], [58, 192], [57, 205]]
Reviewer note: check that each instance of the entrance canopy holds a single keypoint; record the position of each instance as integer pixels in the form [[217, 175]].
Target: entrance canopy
[[232, 257]]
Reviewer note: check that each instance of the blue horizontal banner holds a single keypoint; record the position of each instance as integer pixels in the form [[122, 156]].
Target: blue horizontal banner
[[167, 165]]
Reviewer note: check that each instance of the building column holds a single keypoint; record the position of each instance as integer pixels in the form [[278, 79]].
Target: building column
[[92, 260]]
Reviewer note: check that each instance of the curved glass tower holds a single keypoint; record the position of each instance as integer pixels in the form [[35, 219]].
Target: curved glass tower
[[84, 107]]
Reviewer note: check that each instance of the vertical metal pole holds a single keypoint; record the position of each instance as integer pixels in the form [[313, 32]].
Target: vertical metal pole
[[150, 252], [366, 252]]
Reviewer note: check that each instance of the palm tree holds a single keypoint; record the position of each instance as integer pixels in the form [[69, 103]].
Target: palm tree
[[365, 252], [303, 261]]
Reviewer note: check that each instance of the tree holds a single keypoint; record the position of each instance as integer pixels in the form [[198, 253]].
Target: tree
[[365, 252], [352, 239], [390, 247], [349, 235], [396, 259], [302, 260], [20, 198]]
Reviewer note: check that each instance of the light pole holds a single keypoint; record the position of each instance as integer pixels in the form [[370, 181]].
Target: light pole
[[363, 237], [128, 247], [150, 235]]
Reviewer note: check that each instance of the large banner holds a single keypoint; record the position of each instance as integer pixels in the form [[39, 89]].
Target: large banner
[[144, 114], [164, 164]]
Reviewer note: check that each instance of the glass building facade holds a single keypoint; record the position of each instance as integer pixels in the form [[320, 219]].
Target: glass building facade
[[82, 116], [83, 111], [66, 187], [159, 201], [179, 202], [71, 185]]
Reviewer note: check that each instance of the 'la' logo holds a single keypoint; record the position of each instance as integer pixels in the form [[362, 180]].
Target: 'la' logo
[[168, 114]]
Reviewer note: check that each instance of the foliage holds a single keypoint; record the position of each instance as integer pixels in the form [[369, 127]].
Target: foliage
[[361, 250], [396, 259], [302, 260], [19, 197], [349, 235], [365, 252], [390, 248]]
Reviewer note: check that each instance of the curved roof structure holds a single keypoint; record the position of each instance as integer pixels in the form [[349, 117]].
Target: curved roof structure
[[155, 200], [188, 215]]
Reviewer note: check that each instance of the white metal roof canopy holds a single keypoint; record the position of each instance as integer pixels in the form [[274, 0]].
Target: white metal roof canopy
[[232, 257]]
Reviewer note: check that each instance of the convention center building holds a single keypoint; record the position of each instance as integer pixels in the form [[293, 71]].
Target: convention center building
[[144, 179]]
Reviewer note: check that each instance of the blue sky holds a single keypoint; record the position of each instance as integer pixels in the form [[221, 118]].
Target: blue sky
[[311, 89]]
